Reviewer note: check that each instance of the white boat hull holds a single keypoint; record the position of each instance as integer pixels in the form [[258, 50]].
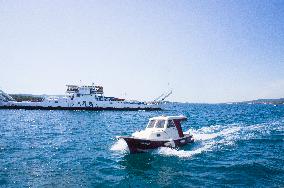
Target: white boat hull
[[83, 105]]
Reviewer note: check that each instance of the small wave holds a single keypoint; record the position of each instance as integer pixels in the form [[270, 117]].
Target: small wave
[[209, 133], [119, 145], [183, 153]]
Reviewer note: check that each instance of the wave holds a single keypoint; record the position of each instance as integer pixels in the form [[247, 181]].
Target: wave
[[119, 145], [183, 153]]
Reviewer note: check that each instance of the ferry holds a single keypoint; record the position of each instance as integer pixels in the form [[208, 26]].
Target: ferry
[[161, 131], [85, 97]]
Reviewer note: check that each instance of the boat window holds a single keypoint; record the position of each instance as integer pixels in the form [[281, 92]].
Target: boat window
[[171, 124], [151, 124], [160, 124]]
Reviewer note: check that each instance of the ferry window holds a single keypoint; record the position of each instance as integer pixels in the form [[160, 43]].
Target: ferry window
[[151, 124], [171, 124], [160, 124]]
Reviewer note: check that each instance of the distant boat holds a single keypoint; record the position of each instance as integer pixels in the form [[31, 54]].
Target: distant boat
[[86, 97]]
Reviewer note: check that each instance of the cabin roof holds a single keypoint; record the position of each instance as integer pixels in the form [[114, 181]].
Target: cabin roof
[[84, 86], [180, 117]]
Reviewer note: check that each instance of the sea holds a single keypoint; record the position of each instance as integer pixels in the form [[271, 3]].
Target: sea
[[236, 145]]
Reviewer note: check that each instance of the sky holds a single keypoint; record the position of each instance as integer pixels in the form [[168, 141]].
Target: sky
[[204, 51]]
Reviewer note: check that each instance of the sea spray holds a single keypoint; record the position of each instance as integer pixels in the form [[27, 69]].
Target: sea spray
[[119, 145], [183, 153]]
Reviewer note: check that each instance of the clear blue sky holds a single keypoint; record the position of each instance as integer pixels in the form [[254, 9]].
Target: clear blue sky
[[206, 51]]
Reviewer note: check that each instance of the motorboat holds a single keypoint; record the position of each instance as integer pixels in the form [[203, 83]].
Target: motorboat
[[161, 131]]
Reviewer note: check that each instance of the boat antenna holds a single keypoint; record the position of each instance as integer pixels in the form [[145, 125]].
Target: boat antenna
[[164, 96], [159, 97], [167, 95]]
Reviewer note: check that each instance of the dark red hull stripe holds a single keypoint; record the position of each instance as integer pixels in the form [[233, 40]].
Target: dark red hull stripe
[[140, 145]]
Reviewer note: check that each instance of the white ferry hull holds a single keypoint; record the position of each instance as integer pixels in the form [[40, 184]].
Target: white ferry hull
[[76, 108], [104, 105]]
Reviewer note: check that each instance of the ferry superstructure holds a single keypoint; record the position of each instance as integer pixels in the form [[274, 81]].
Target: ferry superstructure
[[85, 97]]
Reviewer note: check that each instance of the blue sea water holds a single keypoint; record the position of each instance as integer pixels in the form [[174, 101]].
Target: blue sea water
[[235, 146]]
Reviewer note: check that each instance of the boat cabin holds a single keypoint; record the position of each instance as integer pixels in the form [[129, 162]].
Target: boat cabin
[[85, 90], [163, 127]]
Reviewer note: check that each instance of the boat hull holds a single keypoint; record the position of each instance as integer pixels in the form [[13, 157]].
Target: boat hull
[[137, 145], [77, 108]]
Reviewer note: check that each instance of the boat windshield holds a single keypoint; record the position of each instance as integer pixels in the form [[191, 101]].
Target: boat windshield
[[160, 124], [151, 124], [171, 124]]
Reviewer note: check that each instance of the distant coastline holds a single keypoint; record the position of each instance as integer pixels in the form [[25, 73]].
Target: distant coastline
[[263, 101], [28, 97]]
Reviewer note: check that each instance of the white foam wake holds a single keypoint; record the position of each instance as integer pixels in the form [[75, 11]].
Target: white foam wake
[[119, 145], [207, 138], [183, 153]]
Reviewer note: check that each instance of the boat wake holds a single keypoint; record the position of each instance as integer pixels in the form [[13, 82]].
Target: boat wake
[[218, 137], [206, 139], [119, 145]]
